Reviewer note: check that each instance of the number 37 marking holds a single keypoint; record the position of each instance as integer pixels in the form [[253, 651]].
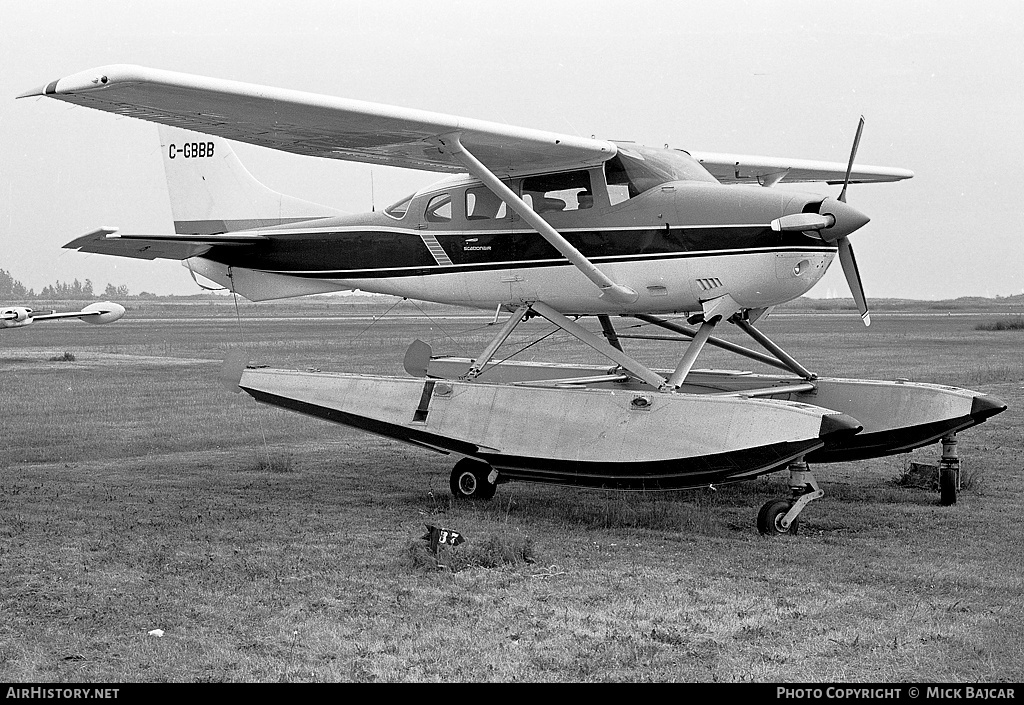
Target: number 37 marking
[[449, 537]]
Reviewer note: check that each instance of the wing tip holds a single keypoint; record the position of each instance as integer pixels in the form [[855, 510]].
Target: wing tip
[[91, 79], [34, 92], [98, 234]]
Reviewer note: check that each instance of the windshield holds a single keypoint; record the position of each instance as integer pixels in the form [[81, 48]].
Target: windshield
[[636, 169]]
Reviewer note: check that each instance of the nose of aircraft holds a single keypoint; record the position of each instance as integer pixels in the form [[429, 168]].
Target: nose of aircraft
[[847, 219]]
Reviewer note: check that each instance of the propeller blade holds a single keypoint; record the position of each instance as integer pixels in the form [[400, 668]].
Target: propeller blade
[[853, 155], [849, 263]]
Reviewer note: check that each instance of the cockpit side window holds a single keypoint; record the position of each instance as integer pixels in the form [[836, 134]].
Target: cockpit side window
[[568, 191], [636, 169], [439, 209], [628, 177], [399, 209]]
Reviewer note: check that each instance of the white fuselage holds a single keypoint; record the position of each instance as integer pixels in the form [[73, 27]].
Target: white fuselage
[[753, 279], [676, 246]]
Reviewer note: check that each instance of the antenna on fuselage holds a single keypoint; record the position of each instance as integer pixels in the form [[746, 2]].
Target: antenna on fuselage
[[373, 205]]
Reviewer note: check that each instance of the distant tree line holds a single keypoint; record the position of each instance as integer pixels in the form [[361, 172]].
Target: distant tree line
[[11, 288]]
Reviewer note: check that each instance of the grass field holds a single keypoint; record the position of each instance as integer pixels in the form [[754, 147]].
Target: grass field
[[139, 494]]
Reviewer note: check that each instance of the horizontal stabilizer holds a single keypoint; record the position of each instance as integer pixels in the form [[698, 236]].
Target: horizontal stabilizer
[[106, 241]]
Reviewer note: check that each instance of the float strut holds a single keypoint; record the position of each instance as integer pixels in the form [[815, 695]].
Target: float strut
[[774, 349], [612, 353], [506, 330], [690, 357], [609, 332], [717, 342]]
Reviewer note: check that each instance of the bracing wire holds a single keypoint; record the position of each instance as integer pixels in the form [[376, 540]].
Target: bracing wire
[[238, 313], [436, 323], [241, 341], [433, 321], [521, 350], [377, 319], [449, 336]]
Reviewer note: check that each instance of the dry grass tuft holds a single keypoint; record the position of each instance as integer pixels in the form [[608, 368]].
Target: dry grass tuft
[[277, 462], [923, 476], [1016, 323], [496, 550]]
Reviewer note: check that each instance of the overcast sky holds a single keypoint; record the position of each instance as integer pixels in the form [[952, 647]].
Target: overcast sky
[[938, 83]]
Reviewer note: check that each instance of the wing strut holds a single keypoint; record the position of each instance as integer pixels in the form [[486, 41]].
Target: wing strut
[[619, 294]]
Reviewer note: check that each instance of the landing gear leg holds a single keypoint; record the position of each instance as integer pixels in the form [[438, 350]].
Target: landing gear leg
[[949, 471], [780, 515]]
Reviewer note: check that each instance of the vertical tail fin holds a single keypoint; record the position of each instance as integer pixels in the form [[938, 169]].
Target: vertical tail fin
[[212, 192]]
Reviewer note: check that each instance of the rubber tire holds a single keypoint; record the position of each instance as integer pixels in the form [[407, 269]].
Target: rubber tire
[[771, 514], [469, 480], [947, 486]]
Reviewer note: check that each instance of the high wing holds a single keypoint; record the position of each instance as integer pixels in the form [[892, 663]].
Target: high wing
[[336, 128], [768, 171], [320, 126], [106, 241]]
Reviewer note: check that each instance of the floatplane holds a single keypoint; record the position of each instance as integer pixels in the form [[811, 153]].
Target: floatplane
[[547, 225], [98, 312]]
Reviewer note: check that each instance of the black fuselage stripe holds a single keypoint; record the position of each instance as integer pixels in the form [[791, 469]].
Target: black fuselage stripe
[[468, 268], [366, 254]]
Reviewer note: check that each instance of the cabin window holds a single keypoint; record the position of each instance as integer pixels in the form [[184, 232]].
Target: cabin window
[[568, 191], [398, 210], [483, 204], [439, 209]]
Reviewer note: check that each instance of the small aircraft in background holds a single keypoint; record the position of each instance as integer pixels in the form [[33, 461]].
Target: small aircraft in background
[[99, 312], [545, 225]]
